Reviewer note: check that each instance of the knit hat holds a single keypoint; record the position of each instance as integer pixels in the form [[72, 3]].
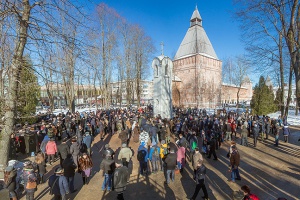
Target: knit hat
[[59, 170]]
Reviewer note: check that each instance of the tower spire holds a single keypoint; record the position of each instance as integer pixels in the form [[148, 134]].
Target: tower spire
[[162, 48]]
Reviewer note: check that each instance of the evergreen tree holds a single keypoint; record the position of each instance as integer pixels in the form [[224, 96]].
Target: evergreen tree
[[262, 102], [277, 100], [28, 90]]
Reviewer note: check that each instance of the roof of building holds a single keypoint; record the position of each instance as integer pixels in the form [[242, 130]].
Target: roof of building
[[195, 41], [196, 14]]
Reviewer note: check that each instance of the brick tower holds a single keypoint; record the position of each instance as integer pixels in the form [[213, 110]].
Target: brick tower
[[198, 68]]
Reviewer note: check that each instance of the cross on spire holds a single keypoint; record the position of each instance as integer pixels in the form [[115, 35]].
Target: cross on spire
[[162, 48]]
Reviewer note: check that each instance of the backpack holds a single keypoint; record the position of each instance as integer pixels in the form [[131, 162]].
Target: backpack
[[141, 155], [164, 150], [155, 154], [253, 197], [194, 145]]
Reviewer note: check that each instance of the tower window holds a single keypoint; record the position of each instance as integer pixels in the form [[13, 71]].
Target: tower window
[[166, 70]]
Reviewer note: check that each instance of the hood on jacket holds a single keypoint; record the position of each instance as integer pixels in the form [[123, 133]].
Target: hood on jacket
[[46, 138]]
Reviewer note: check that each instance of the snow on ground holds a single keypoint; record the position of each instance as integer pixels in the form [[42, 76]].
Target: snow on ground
[[292, 119]]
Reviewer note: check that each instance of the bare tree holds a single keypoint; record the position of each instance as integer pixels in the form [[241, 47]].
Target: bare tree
[[267, 25], [142, 49], [240, 72], [32, 23]]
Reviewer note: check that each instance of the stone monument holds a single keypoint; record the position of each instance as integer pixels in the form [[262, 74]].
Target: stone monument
[[162, 86]]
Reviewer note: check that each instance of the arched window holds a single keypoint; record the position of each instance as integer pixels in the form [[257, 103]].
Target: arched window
[[156, 70], [166, 70]]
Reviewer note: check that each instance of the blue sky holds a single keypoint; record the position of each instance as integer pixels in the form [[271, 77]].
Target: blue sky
[[168, 21]]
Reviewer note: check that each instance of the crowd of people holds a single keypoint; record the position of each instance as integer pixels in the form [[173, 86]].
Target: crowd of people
[[165, 145]]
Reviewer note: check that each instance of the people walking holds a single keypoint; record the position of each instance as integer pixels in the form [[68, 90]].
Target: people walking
[[197, 157], [200, 181]]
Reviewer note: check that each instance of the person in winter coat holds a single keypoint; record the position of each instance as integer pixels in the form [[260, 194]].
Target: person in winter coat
[[10, 181], [79, 134], [123, 137], [58, 184], [135, 132], [247, 193], [200, 181], [181, 157], [286, 133], [87, 140], [268, 127], [125, 155], [142, 150], [29, 179], [44, 144], [107, 150], [154, 157], [255, 131], [244, 134], [51, 150], [234, 163], [75, 150], [197, 157], [69, 168], [121, 177], [144, 136], [85, 167], [153, 133], [228, 131], [171, 162], [108, 167], [41, 167], [63, 150], [212, 147]]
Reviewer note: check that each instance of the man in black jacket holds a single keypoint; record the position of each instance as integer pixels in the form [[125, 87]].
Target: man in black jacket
[[121, 177], [69, 171], [171, 162], [212, 148], [108, 167], [200, 181], [63, 150]]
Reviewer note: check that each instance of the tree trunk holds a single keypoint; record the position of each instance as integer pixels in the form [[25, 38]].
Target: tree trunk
[[281, 74], [289, 93], [15, 68], [238, 97]]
